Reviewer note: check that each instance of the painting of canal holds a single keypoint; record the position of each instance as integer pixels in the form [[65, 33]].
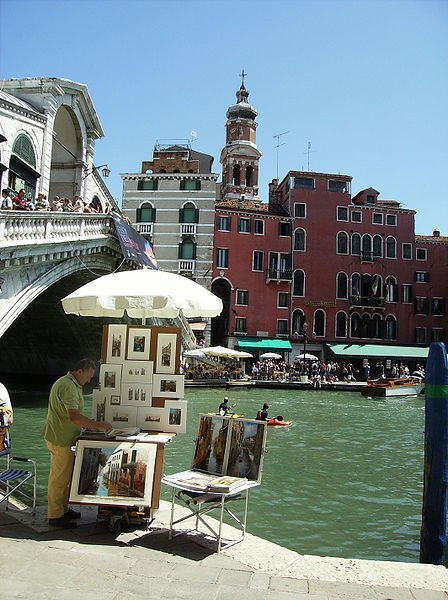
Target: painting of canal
[[119, 473]]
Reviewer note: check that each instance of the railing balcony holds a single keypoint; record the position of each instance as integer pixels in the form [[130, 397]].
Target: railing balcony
[[279, 275], [144, 228], [367, 301], [186, 266], [368, 257], [188, 228]]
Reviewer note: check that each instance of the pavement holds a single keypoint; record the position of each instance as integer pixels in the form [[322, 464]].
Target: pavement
[[92, 563]]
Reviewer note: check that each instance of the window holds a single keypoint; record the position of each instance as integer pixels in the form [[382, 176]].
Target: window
[[249, 175], [421, 306], [341, 286], [438, 307], [257, 261], [300, 210], [376, 327], [241, 324], [391, 220], [342, 213], [340, 187], [319, 323], [377, 218], [391, 290], [355, 325], [284, 229], [356, 285], [437, 335], [244, 225], [421, 277], [187, 250], [298, 320], [283, 300], [258, 227], [390, 328], [366, 255], [299, 283], [190, 184], [147, 184], [282, 326], [377, 246], [370, 199], [420, 253], [146, 213], [222, 258], [341, 324], [303, 183], [356, 244], [24, 148], [406, 293], [342, 243], [420, 335], [407, 251], [299, 240], [189, 213], [242, 297], [224, 223], [236, 180], [356, 216], [391, 248]]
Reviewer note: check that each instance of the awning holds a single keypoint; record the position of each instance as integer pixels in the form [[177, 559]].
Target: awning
[[198, 326], [378, 351], [261, 344]]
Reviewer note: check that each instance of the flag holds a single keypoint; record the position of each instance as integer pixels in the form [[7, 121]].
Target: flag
[[133, 245]]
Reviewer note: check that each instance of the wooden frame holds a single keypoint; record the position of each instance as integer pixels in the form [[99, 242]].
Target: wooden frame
[[139, 343], [166, 352], [168, 386]]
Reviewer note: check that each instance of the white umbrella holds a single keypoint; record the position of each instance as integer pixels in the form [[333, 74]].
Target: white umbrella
[[142, 293], [271, 355], [307, 356], [197, 353], [225, 352]]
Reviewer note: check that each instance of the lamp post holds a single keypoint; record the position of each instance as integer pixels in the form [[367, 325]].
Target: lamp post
[[105, 171], [304, 327]]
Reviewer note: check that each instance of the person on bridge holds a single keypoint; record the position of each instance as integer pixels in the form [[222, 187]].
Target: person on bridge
[[62, 427], [6, 200]]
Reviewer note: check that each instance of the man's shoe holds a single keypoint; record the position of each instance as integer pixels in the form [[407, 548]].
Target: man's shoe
[[72, 514], [61, 522]]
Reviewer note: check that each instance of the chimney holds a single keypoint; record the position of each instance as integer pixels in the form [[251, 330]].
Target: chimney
[[436, 233], [272, 191]]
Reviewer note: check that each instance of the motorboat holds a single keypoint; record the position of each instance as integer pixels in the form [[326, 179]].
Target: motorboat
[[393, 387]]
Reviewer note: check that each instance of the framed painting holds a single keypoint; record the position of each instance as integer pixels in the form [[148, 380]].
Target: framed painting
[[176, 415], [113, 472], [137, 371], [139, 343], [116, 343], [245, 449], [168, 386], [136, 394], [166, 353], [99, 402], [211, 444], [110, 378], [115, 401], [152, 419], [121, 416]]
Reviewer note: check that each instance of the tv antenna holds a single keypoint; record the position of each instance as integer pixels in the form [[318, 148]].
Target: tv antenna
[[308, 152], [193, 136], [277, 136]]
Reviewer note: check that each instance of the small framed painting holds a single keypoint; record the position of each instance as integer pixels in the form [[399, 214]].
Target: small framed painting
[[113, 472], [151, 419], [116, 343], [137, 371], [99, 401], [166, 353], [121, 416], [136, 394], [115, 401], [139, 343], [168, 386], [110, 378], [177, 415]]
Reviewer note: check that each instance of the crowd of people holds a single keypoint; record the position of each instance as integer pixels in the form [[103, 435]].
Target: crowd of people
[[24, 201], [221, 371]]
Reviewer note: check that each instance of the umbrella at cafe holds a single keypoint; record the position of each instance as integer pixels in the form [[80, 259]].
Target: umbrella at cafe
[[223, 352], [307, 356], [273, 355], [196, 353], [142, 294]]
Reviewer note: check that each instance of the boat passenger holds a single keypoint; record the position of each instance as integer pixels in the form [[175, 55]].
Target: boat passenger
[[224, 407], [262, 414]]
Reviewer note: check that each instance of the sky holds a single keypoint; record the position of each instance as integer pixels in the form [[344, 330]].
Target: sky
[[364, 82]]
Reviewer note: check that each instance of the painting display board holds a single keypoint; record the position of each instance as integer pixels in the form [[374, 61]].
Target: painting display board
[[139, 380]]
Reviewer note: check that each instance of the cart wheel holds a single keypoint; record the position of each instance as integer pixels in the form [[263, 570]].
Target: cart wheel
[[115, 526]]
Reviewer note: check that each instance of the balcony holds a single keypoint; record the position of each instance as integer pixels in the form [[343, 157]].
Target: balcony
[[188, 228], [186, 266], [367, 302], [144, 228], [279, 275]]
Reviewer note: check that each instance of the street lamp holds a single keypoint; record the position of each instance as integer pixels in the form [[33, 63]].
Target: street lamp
[[105, 171], [304, 327]]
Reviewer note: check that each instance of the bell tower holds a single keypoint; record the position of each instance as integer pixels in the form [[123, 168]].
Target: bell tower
[[240, 156]]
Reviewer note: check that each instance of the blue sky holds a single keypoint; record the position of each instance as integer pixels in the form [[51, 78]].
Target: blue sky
[[365, 82]]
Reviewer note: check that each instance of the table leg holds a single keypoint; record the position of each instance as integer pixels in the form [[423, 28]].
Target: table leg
[[170, 534]]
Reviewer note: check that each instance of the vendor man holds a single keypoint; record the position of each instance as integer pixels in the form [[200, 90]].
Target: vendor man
[[63, 426]]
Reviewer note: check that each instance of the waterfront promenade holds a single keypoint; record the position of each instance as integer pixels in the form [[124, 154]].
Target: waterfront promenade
[[89, 562]]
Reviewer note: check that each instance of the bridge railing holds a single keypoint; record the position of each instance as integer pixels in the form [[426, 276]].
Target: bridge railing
[[20, 227]]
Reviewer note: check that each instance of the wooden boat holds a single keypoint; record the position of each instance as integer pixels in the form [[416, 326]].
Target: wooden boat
[[393, 387]]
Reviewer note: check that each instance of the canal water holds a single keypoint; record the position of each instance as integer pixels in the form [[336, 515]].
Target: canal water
[[344, 480]]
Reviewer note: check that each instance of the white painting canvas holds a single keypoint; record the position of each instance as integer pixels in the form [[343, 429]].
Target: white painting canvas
[[116, 343], [176, 416], [168, 386], [152, 419], [135, 371], [136, 394]]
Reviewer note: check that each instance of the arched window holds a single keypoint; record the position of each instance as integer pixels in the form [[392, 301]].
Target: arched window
[[297, 322], [391, 328], [377, 246], [391, 247], [355, 325], [146, 213], [187, 250], [319, 323], [249, 175], [365, 326], [376, 326], [391, 290], [299, 283], [356, 285], [342, 245], [236, 175], [356, 244], [366, 244], [188, 213], [341, 286], [300, 240], [24, 148], [376, 285], [341, 325]]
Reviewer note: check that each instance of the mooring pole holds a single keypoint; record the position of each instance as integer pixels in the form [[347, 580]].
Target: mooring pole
[[433, 530]]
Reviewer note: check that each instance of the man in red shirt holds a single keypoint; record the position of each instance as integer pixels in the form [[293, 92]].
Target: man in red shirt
[[19, 201]]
